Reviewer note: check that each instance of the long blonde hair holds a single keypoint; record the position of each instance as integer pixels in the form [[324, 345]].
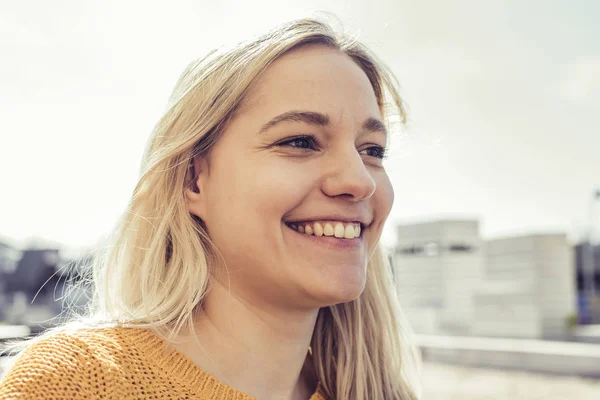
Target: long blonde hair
[[157, 268]]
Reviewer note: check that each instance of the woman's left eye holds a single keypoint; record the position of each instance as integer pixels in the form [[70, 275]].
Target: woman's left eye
[[374, 151]]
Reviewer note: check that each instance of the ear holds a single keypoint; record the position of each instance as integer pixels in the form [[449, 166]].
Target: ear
[[195, 191]]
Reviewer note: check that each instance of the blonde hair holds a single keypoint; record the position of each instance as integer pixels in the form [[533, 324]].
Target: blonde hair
[[157, 268]]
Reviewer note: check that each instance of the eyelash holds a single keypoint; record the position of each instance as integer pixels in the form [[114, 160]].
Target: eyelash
[[381, 152]]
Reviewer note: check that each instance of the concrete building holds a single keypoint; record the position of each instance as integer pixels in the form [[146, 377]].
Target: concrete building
[[530, 288], [438, 267], [506, 309], [451, 282]]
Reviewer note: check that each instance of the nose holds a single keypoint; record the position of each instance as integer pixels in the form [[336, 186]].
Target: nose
[[348, 176]]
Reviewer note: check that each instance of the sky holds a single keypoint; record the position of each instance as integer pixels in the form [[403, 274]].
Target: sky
[[503, 99]]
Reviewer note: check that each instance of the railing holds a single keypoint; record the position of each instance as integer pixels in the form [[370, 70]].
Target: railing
[[12, 332], [564, 358]]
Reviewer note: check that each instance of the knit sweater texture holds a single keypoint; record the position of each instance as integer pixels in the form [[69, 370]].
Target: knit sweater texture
[[111, 363]]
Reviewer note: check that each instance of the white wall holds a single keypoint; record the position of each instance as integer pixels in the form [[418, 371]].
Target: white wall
[[436, 285]]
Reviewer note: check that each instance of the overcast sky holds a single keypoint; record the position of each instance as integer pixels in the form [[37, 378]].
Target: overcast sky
[[504, 99]]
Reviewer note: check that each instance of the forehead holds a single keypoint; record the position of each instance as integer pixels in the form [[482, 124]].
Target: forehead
[[315, 78]]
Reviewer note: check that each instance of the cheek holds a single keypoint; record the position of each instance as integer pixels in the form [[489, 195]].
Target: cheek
[[280, 187], [384, 196], [258, 194]]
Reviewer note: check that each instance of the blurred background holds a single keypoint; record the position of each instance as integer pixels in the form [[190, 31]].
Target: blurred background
[[494, 238]]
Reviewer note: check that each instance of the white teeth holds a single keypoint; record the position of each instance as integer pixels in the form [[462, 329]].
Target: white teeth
[[339, 230], [318, 228], [349, 232]]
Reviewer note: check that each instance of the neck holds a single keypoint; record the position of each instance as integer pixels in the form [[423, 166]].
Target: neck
[[260, 351]]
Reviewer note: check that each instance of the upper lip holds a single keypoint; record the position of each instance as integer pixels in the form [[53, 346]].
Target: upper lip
[[363, 220]]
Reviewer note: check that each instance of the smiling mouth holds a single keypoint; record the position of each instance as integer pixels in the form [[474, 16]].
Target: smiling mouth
[[333, 229]]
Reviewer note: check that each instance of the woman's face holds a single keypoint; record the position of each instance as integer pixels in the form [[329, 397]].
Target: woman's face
[[303, 154]]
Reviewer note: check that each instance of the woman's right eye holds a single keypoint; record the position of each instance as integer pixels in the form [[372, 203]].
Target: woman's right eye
[[304, 142]]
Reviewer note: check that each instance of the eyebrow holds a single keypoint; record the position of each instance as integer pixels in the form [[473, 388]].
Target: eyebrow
[[315, 118]]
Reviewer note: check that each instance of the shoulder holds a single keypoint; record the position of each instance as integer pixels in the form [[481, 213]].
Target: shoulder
[[70, 363]]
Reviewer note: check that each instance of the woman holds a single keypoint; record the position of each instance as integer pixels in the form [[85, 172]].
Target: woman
[[247, 264]]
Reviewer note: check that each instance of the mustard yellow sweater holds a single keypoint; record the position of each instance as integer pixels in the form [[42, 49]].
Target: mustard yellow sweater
[[111, 363]]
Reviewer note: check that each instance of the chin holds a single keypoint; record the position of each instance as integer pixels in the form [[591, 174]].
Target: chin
[[343, 289]]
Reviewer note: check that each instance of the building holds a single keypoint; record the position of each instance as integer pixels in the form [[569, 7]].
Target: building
[[35, 277], [537, 299], [34, 268], [438, 267], [9, 257], [588, 305], [579, 249], [506, 309], [449, 281]]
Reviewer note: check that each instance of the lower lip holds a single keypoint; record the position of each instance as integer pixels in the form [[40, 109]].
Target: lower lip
[[331, 242]]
